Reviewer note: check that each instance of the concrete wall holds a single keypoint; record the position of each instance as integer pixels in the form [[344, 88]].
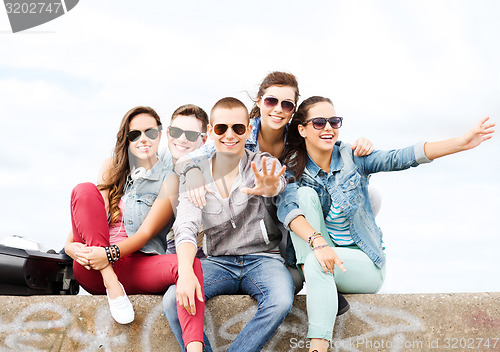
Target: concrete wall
[[416, 322]]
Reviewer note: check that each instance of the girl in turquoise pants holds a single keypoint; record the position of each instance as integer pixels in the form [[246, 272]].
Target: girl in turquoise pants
[[326, 205]]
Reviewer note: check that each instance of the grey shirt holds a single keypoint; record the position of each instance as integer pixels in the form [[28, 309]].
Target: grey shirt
[[234, 225]]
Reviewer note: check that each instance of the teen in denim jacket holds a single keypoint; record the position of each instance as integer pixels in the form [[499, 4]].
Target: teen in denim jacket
[[327, 207]]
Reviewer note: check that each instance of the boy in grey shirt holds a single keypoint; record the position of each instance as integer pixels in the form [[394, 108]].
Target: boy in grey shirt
[[242, 258]]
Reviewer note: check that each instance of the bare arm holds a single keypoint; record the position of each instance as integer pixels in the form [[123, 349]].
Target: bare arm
[[477, 135], [187, 284], [326, 256], [160, 214]]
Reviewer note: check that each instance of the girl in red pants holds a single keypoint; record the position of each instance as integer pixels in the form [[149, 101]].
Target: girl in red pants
[[119, 230]]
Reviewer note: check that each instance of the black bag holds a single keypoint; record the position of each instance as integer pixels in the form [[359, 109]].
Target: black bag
[[27, 272]]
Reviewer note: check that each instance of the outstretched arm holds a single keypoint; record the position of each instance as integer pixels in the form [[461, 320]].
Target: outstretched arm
[[477, 135]]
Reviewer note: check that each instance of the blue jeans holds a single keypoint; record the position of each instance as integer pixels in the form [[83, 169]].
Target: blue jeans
[[265, 279]]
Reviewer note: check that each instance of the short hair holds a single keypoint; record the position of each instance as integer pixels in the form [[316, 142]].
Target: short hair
[[191, 109], [229, 103]]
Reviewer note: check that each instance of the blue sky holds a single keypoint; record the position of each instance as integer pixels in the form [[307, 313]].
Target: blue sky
[[398, 71]]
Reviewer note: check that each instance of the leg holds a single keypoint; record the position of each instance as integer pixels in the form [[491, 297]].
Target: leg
[[170, 312], [321, 317], [268, 281], [217, 279], [90, 226], [362, 276], [320, 288], [152, 274], [309, 203]]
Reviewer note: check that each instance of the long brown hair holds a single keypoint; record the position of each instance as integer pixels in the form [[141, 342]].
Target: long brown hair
[[116, 176], [276, 78], [295, 153]]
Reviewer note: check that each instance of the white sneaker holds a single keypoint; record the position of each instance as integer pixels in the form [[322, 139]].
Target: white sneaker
[[121, 308]]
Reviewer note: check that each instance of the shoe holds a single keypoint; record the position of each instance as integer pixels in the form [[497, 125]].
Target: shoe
[[121, 308], [343, 304]]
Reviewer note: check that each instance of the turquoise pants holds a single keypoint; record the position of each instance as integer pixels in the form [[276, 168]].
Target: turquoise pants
[[361, 276]]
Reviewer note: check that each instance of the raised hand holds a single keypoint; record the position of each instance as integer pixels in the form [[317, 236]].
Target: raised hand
[[478, 134], [266, 183]]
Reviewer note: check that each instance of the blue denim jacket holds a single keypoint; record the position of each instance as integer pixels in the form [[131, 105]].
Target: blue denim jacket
[[347, 185], [139, 200]]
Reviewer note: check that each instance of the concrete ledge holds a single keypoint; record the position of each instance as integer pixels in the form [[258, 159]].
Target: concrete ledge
[[410, 322]]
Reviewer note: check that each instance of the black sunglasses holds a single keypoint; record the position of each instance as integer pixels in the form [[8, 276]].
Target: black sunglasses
[[320, 122], [151, 133], [192, 136], [286, 105], [238, 128]]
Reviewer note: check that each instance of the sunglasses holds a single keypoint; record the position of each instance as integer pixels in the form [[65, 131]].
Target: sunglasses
[[192, 136], [151, 133], [320, 122], [237, 128], [286, 105]]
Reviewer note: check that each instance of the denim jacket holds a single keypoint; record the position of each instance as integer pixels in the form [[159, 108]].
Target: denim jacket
[[139, 200], [347, 185]]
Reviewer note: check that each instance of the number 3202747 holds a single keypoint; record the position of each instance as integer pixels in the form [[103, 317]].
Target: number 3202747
[[33, 7]]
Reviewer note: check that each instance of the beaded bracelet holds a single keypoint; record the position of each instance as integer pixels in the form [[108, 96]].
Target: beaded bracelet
[[312, 238], [320, 246]]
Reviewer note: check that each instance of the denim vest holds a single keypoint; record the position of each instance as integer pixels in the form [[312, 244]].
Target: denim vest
[[346, 184], [139, 200]]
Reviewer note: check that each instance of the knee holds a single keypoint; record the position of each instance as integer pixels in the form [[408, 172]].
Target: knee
[[170, 303], [281, 302], [313, 269], [308, 195], [282, 305], [84, 191]]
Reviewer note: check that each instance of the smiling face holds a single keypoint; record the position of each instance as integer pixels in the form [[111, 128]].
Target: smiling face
[[229, 141], [275, 117], [181, 146], [319, 140], [143, 151]]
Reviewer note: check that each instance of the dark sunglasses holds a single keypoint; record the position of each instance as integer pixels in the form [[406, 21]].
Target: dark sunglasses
[[286, 105], [151, 133], [238, 128], [320, 122], [192, 136]]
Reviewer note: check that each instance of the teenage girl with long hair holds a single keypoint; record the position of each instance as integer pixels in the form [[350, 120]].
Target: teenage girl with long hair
[[119, 227], [327, 207]]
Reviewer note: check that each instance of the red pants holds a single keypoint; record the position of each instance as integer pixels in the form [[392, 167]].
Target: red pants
[[139, 273]]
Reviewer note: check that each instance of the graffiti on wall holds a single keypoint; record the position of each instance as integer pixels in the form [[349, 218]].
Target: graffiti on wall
[[383, 328]]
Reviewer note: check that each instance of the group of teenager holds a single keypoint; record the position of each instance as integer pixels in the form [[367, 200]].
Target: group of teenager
[[207, 215]]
